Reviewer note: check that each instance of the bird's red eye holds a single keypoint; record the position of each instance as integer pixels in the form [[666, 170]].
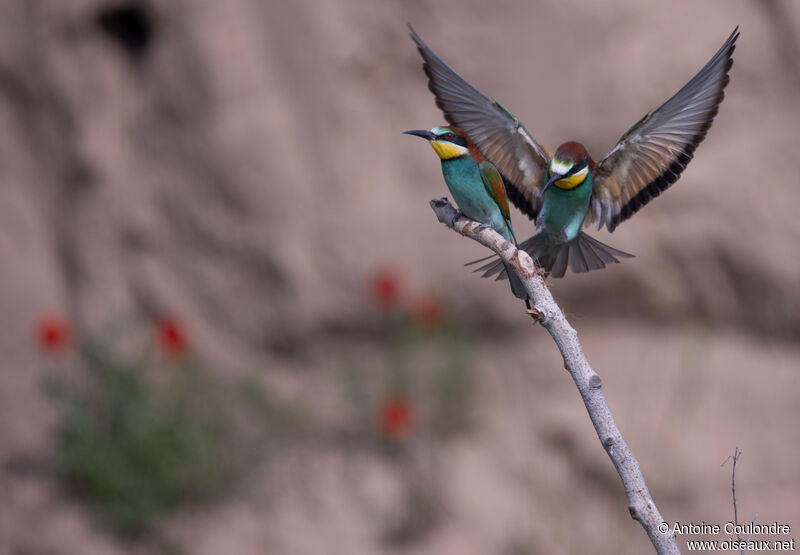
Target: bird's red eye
[[449, 136]]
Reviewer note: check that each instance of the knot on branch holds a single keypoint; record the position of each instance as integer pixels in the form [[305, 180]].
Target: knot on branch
[[595, 382], [525, 265], [536, 314]]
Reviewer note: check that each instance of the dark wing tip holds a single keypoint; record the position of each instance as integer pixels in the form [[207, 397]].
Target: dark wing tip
[[682, 159], [734, 35], [429, 57], [413, 33]]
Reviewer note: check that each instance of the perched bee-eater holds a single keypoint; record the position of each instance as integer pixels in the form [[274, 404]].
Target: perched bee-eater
[[476, 186], [566, 191]]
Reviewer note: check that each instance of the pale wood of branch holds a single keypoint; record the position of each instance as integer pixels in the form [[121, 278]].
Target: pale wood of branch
[[640, 504]]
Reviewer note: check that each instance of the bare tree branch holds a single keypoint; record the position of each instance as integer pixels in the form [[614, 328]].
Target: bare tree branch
[[735, 457], [549, 314]]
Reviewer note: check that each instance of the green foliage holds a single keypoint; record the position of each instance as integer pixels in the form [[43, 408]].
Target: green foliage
[[133, 445]]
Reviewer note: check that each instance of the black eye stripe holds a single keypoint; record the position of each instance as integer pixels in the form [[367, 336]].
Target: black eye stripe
[[575, 169], [453, 138]]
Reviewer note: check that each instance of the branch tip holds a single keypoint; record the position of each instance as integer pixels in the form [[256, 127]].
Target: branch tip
[[439, 202]]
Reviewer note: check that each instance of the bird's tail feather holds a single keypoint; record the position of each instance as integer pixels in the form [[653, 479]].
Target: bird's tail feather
[[582, 254], [517, 286], [478, 261]]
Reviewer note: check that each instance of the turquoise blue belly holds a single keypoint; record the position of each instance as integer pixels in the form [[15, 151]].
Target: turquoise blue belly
[[463, 178], [563, 211]]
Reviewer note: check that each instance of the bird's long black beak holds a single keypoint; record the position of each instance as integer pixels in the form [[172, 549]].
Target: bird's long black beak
[[553, 178], [427, 135]]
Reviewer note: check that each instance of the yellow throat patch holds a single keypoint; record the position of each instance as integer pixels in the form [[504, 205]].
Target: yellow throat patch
[[573, 180], [447, 150]]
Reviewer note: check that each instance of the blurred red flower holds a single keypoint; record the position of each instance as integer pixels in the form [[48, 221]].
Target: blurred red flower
[[54, 333], [427, 313], [386, 287], [171, 338], [395, 417]]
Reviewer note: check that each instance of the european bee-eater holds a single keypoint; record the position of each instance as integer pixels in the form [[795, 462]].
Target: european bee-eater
[[566, 191], [476, 186]]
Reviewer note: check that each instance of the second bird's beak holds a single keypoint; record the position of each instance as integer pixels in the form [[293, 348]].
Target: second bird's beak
[[427, 135], [555, 177]]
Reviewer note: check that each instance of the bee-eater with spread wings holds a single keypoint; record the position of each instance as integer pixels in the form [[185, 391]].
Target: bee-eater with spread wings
[[568, 190]]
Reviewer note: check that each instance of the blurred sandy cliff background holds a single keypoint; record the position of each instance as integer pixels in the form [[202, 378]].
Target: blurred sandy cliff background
[[232, 324]]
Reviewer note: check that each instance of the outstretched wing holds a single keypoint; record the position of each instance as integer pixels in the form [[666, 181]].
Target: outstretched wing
[[652, 154], [497, 133]]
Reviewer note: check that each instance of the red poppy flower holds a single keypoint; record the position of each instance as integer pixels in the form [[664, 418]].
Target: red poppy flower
[[427, 313], [395, 417], [386, 288], [54, 333], [171, 338]]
